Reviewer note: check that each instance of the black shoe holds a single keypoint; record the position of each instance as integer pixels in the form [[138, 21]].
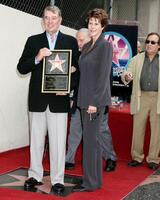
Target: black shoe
[[58, 188], [79, 188], [31, 183], [110, 165], [134, 163], [69, 165], [153, 165]]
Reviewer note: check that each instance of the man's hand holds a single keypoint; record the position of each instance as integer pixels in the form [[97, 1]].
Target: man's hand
[[128, 77], [43, 53], [73, 69]]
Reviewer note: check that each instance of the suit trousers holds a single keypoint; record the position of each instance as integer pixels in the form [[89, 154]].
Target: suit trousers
[[92, 155], [148, 108], [56, 125], [106, 139], [75, 136]]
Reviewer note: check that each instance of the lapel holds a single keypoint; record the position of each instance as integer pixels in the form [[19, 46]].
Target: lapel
[[140, 63], [44, 41], [59, 42], [89, 46]]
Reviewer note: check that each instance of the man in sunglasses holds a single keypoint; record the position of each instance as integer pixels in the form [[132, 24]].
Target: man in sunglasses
[[144, 71]]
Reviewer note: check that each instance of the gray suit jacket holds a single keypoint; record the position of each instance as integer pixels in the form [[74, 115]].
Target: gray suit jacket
[[95, 67]]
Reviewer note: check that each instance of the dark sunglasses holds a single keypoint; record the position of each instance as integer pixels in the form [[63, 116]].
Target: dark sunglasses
[[150, 41]]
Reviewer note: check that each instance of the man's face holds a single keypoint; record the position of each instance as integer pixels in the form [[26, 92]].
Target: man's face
[[51, 21], [152, 45], [82, 38]]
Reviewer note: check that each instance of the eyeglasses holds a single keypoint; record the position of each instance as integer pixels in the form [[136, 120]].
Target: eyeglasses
[[151, 41]]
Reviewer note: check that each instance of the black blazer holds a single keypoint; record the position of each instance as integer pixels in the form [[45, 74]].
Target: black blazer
[[38, 101], [95, 69]]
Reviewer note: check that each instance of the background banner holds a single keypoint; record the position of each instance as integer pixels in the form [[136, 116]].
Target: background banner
[[124, 41]]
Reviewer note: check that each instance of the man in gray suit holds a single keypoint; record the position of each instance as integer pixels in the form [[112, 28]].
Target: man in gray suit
[[75, 133]]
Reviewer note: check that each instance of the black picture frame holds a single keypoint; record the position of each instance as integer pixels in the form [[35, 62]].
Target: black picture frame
[[56, 75]]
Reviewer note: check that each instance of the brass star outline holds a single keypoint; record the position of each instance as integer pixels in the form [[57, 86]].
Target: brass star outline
[[56, 63], [151, 179], [20, 179]]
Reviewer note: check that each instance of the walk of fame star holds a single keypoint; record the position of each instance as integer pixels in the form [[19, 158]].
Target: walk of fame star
[[16, 179], [151, 179], [57, 63]]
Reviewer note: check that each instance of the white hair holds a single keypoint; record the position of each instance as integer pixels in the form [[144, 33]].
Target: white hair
[[53, 9], [84, 30]]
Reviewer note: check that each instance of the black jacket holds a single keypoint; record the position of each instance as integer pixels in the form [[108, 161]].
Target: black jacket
[[38, 101]]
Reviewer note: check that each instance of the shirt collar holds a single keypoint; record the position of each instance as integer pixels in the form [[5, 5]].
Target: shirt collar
[[49, 36], [156, 56]]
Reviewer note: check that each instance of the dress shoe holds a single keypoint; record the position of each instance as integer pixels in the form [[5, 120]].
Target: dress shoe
[[31, 183], [69, 165], [153, 165], [110, 165], [79, 188], [58, 188], [134, 163]]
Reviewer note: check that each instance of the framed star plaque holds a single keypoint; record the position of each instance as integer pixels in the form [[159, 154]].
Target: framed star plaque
[[57, 72]]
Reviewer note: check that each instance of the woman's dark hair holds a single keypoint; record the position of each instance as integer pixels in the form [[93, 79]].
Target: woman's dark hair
[[99, 14]]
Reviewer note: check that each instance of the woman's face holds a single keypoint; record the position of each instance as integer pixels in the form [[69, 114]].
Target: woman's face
[[95, 28]]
